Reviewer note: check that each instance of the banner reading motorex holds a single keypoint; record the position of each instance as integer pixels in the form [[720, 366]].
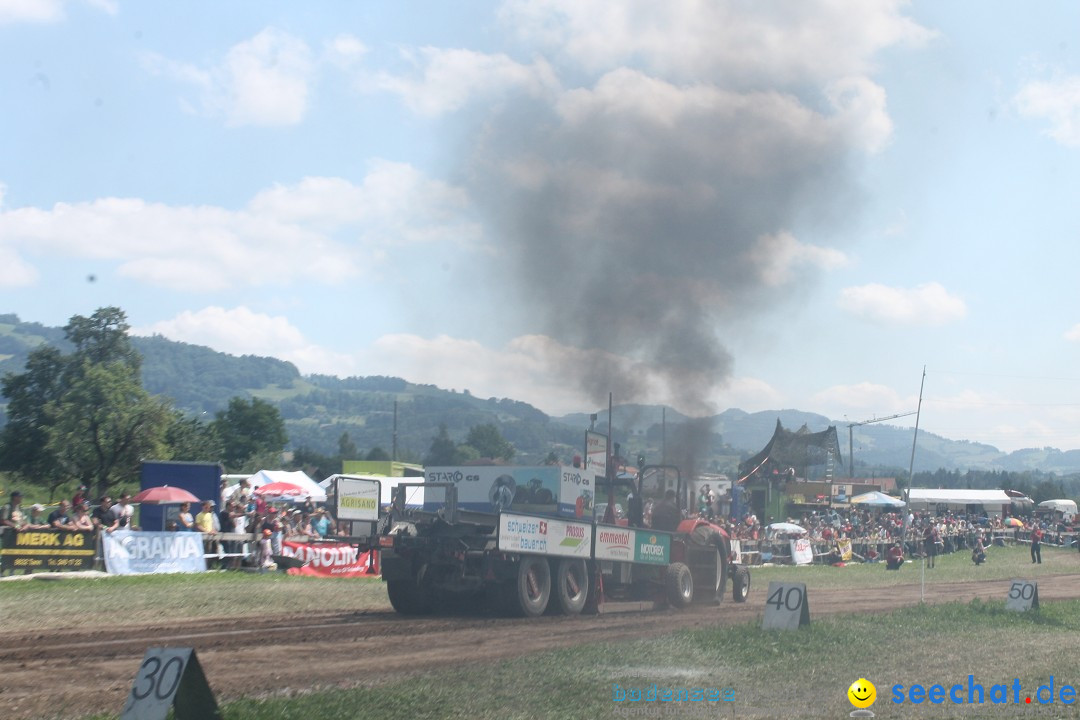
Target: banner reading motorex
[[652, 547], [331, 559], [130, 552], [47, 550], [497, 488], [518, 533]]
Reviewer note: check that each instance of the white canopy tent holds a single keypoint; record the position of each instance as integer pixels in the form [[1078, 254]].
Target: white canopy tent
[[922, 497], [298, 478]]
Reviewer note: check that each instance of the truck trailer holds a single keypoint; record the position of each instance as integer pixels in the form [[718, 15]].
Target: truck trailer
[[525, 542]]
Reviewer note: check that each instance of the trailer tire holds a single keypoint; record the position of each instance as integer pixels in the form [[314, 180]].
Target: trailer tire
[[407, 597], [679, 583], [740, 584], [571, 586], [533, 586]]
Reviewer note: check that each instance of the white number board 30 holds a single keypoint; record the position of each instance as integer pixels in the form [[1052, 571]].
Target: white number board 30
[[1023, 595], [786, 607]]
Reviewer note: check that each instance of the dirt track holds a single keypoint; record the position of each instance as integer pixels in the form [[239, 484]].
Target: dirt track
[[79, 672]]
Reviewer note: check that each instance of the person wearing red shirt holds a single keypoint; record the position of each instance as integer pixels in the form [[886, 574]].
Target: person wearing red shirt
[[1036, 545]]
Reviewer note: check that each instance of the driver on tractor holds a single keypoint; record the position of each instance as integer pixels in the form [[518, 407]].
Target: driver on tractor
[[666, 514]]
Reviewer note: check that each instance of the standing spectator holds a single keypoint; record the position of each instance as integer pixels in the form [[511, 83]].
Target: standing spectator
[[60, 518], [1036, 545], [81, 517], [206, 521], [37, 519], [185, 520], [79, 497], [308, 506], [121, 514], [100, 515], [930, 544], [322, 524], [12, 515]]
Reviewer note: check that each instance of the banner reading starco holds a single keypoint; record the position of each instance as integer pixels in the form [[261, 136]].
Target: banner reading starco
[[139, 553]]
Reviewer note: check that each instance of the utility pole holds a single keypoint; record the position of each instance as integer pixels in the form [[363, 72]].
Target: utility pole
[[851, 441]]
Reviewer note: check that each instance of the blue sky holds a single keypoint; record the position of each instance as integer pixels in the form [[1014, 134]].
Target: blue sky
[[712, 204]]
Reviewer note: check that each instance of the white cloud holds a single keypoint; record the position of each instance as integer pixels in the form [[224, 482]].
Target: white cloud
[[780, 257], [323, 229], [864, 398], [813, 40], [1073, 333], [1057, 101], [240, 331], [928, 304], [446, 79], [344, 51], [260, 81], [44, 11]]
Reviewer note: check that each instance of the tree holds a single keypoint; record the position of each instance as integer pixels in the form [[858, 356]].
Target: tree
[[103, 426], [442, 451], [248, 429], [377, 453], [190, 439], [85, 416], [346, 447], [489, 442]]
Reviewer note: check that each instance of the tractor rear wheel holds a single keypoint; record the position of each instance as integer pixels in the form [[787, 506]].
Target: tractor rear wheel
[[571, 586], [679, 584]]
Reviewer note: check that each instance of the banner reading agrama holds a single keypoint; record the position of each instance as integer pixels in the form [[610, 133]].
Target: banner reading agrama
[[137, 553]]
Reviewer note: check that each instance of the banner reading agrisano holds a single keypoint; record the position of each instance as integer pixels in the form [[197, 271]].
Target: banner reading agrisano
[[136, 553], [331, 559]]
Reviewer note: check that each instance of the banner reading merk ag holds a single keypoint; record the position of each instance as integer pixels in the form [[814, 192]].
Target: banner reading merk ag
[[331, 559], [137, 553]]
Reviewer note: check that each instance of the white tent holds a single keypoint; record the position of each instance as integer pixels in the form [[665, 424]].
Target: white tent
[[1066, 507], [298, 478], [957, 496]]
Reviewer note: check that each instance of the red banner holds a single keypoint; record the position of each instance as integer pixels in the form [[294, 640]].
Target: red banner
[[331, 559]]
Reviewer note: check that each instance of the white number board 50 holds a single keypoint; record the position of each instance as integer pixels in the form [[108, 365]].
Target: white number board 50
[[1023, 595]]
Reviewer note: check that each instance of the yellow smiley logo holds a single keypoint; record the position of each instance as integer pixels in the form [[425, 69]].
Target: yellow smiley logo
[[862, 693]]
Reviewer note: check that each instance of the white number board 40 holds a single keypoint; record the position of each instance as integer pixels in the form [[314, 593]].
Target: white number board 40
[[786, 607]]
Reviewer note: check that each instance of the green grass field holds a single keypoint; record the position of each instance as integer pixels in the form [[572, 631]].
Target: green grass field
[[797, 674]]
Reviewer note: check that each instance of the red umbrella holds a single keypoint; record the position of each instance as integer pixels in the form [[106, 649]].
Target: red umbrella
[[281, 490], [164, 495]]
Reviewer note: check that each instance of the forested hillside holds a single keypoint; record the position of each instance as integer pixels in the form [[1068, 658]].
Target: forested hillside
[[321, 411]]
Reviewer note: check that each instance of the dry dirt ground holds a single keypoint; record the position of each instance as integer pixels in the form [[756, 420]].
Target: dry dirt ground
[[78, 672]]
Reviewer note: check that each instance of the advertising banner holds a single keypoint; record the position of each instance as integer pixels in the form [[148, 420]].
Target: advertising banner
[[357, 499], [331, 559], [614, 543], [652, 547], [544, 536], [130, 552], [47, 550], [845, 549], [575, 493], [595, 454], [801, 552], [497, 488]]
